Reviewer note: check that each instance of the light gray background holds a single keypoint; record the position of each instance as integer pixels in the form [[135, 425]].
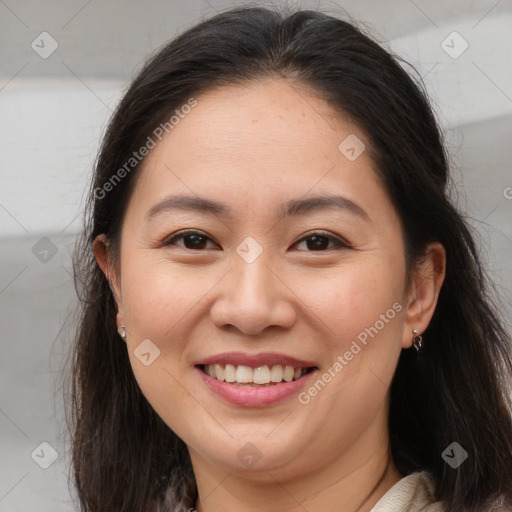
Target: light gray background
[[54, 111]]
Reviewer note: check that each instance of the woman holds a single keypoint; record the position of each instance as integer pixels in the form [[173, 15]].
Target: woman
[[281, 309]]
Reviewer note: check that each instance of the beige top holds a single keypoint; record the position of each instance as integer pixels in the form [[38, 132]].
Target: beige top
[[413, 493]]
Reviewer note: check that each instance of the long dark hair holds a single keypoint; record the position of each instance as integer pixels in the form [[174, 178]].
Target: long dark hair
[[124, 457]]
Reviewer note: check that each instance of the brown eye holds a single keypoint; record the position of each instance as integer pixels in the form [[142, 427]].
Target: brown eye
[[193, 240], [315, 242], [319, 241]]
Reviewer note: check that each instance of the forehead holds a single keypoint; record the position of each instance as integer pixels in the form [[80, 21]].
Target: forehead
[[264, 117], [256, 143]]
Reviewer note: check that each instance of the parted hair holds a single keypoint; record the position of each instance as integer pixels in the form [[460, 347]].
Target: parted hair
[[124, 457]]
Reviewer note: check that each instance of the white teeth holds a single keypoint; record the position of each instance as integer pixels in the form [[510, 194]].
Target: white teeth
[[219, 371], [262, 375], [230, 373], [288, 373], [244, 374], [276, 374]]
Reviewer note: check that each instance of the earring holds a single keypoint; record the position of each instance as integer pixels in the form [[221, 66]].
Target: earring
[[417, 340], [122, 333]]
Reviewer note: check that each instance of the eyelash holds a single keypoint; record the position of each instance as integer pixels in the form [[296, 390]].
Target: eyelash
[[338, 242]]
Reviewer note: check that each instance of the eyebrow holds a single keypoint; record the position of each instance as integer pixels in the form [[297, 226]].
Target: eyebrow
[[293, 207]]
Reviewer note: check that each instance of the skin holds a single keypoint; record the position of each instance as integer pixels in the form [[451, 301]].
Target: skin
[[253, 148]]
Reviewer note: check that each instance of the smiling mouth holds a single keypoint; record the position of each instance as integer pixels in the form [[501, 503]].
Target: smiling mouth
[[261, 376]]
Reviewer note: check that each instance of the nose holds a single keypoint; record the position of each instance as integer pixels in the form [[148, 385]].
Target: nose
[[253, 297]]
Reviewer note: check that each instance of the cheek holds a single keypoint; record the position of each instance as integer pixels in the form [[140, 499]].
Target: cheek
[[362, 320], [356, 298], [159, 303], [157, 296]]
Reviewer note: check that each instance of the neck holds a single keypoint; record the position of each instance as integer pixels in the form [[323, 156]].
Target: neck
[[354, 482]]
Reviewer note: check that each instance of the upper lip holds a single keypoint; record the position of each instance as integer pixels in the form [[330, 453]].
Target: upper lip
[[255, 360]]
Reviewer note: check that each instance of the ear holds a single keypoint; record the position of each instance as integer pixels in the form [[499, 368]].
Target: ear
[[100, 249], [424, 291]]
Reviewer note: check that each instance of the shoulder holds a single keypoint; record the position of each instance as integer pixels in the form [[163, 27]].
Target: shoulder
[[413, 493]]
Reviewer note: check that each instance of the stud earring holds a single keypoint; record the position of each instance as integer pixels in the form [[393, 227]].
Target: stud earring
[[417, 340], [122, 333]]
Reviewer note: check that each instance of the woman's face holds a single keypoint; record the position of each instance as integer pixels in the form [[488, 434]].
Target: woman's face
[[253, 290]]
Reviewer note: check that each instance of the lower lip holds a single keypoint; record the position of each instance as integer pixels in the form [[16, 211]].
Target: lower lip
[[245, 396]]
